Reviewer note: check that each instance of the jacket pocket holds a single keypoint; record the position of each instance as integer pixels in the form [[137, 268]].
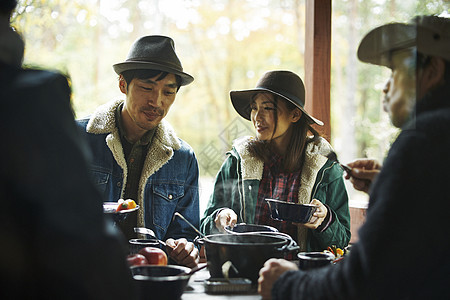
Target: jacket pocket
[[100, 179], [168, 191], [165, 201]]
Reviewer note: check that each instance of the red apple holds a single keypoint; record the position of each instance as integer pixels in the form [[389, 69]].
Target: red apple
[[154, 256], [136, 260]]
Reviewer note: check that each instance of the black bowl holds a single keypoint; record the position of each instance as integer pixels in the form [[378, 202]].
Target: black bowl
[[314, 260], [244, 228], [160, 282], [289, 211], [125, 220]]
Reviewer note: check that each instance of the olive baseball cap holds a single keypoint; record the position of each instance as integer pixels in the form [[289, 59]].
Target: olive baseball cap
[[429, 34]]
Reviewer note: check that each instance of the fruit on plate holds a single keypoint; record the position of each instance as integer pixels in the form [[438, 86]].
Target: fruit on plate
[[125, 204], [154, 256], [136, 260]]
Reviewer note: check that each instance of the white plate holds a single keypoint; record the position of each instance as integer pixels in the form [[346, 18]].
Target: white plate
[[110, 207]]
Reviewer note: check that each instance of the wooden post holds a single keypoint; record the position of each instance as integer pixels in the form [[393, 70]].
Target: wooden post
[[318, 62]]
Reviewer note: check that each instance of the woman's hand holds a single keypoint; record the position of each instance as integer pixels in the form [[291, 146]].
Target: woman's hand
[[183, 252], [364, 172], [318, 216], [270, 272], [226, 217]]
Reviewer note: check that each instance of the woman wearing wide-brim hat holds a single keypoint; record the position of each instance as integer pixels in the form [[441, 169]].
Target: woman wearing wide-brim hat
[[286, 160]]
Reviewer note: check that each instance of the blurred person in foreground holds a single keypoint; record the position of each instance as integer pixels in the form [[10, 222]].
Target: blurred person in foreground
[[286, 160], [55, 242], [402, 252], [136, 153]]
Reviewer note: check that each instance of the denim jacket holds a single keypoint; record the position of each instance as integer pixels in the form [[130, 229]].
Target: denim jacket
[[169, 180]]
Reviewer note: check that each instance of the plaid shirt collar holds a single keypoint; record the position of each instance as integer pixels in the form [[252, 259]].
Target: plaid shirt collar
[[275, 163]]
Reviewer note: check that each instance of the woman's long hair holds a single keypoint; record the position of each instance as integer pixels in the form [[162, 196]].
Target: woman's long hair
[[294, 157]]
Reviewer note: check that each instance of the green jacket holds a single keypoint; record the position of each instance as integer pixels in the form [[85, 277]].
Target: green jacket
[[237, 185]]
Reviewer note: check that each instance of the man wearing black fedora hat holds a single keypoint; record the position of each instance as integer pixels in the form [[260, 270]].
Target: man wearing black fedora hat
[[402, 251], [137, 155]]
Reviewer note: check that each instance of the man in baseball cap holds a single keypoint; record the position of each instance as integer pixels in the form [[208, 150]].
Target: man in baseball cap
[[137, 155], [422, 45], [402, 251]]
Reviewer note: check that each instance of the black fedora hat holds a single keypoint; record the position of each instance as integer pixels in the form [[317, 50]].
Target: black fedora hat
[[154, 52], [285, 84]]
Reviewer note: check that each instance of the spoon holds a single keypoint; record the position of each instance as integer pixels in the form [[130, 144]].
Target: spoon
[[189, 223], [150, 232]]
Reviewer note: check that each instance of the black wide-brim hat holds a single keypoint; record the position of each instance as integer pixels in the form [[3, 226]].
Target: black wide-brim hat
[[285, 84], [154, 52]]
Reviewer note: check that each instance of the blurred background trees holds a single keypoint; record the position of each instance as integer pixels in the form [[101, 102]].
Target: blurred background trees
[[225, 45]]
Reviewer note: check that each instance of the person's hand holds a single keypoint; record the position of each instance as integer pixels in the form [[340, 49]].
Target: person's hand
[[226, 217], [270, 272], [364, 172], [318, 216], [183, 252]]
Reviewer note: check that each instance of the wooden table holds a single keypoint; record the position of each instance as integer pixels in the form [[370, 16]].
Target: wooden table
[[196, 290]]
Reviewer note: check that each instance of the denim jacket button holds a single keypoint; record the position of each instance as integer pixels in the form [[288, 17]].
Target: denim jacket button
[[119, 183], [170, 197]]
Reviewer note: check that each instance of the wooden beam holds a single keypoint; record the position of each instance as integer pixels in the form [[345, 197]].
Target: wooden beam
[[318, 61]]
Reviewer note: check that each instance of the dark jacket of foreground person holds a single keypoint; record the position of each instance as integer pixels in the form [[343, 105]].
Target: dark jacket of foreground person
[[403, 247], [54, 242]]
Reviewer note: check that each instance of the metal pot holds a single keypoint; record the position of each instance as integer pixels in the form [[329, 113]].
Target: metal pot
[[247, 252]]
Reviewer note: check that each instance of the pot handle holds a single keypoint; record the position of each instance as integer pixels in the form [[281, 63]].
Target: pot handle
[[288, 247], [292, 246], [199, 241]]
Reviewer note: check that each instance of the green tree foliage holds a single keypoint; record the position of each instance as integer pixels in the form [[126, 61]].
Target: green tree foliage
[[225, 45]]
